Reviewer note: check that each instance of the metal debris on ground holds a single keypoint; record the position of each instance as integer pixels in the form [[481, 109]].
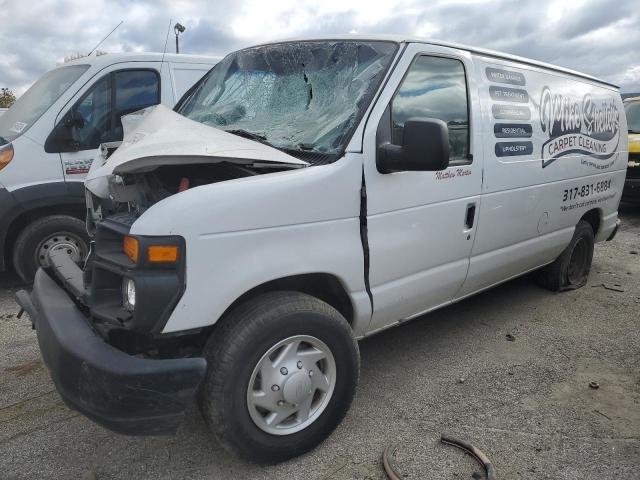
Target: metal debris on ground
[[594, 385], [481, 458], [391, 472], [510, 337], [615, 287], [474, 452]]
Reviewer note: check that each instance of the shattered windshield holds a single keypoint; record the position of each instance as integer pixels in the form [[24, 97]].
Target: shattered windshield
[[303, 96]]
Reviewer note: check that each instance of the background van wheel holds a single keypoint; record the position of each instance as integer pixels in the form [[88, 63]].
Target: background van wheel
[[55, 232], [283, 370], [571, 269]]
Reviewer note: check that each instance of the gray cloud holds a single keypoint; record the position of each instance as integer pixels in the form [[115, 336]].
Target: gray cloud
[[599, 37], [599, 14]]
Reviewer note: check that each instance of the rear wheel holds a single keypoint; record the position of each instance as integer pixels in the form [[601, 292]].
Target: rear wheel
[[283, 370], [571, 269], [56, 232]]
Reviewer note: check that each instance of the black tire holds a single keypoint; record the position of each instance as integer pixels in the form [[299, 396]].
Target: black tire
[[235, 348], [25, 249], [571, 269]]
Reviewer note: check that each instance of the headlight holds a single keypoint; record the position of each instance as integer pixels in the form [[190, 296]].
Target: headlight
[[155, 253], [6, 155], [129, 294]]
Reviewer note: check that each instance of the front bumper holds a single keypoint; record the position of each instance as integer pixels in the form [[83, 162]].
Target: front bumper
[[126, 394]]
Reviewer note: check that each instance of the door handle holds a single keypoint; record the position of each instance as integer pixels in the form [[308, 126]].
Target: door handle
[[470, 216]]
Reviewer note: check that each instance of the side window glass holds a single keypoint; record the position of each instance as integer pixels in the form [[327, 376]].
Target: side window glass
[[134, 90], [92, 116], [435, 87]]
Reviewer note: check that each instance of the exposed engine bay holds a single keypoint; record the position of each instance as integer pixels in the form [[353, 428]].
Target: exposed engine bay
[[136, 192]]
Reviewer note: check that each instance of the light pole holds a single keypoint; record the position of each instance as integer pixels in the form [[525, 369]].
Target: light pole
[[178, 29]]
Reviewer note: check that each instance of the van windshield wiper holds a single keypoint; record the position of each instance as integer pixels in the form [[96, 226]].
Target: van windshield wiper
[[306, 147], [250, 135]]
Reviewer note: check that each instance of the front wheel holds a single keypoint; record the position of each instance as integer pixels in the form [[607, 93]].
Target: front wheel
[[55, 232], [283, 369]]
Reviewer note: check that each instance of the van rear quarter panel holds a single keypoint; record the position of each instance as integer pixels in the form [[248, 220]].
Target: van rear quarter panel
[[554, 148]]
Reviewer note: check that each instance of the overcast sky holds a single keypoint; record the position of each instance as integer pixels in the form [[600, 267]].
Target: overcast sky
[[599, 37]]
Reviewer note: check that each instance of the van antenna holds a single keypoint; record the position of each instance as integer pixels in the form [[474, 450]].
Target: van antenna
[[100, 42], [165, 42]]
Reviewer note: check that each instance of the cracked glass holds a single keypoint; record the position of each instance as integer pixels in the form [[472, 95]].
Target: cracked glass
[[304, 96]]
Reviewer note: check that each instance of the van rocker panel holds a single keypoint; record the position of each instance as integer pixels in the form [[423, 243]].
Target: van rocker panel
[[126, 394]]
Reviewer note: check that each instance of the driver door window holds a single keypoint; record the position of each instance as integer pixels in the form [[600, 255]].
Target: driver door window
[[92, 116], [135, 90], [435, 87]]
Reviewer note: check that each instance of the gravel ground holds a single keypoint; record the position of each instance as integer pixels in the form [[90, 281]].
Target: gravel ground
[[526, 403]]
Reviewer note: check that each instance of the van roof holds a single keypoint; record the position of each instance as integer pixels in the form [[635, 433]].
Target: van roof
[[110, 58], [479, 51]]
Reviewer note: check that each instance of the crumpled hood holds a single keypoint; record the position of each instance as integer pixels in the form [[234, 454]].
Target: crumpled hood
[[158, 136]]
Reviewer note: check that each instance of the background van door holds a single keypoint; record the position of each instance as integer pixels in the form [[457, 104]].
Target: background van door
[[421, 225], [95, 117]]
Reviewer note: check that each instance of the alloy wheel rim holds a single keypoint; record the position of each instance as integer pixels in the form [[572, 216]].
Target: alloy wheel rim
[[291, 385]]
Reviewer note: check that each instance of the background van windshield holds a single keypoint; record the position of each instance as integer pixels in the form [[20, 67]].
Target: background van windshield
[[37, 100], [632, 110], [301, 96]]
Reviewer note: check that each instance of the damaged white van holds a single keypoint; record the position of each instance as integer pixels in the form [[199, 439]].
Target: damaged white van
[[306, 194]]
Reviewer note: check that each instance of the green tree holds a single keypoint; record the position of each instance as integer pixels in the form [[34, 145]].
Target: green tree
[[6, 98]]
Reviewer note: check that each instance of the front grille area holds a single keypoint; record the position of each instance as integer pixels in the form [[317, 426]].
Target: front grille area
[[109, 264], [158, 287]]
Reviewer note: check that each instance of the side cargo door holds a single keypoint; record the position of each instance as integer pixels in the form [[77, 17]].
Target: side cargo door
[[94, 118], [421, 225]]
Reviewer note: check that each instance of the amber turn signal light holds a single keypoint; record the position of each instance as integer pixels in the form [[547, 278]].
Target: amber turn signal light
[[130, 247], [162, 254], [6, 155]]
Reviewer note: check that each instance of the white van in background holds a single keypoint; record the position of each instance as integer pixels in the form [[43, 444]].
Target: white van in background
[[306, 194], [50, 135]]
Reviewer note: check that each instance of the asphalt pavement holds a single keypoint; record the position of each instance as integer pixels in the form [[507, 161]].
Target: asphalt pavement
[[507, 370]]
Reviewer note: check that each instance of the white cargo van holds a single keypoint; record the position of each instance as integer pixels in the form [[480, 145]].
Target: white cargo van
[[306, 194], [49, 137]]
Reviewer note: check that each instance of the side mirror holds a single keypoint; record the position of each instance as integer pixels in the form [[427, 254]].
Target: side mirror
[[425, 147], [62, 137], [74, 119]]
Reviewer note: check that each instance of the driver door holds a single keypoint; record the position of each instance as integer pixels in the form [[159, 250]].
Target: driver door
[[95, 117], [421, 224]]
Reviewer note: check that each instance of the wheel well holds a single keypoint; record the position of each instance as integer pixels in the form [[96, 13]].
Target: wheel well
[[25, 218], [593, 218], [323, 286]]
